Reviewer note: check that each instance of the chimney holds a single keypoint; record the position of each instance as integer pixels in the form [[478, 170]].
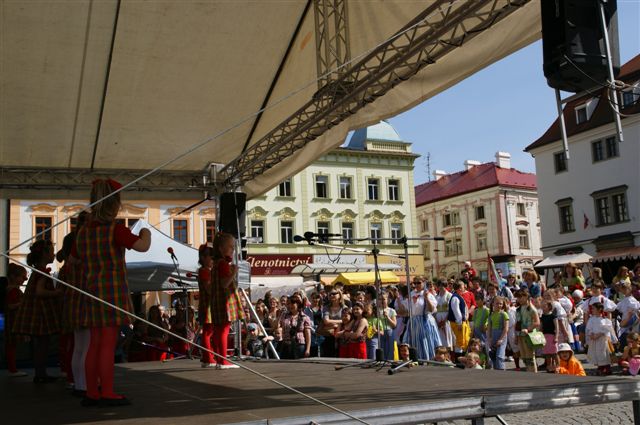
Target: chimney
[[437, 174], [503, 159], [470, 163]]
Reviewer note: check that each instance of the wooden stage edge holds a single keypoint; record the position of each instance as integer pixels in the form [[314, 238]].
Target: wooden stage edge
[[182, 392]]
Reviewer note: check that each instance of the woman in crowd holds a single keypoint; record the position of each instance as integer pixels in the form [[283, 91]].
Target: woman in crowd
[[442, 309], [296, 331], [16, 275], [386, 325], [356, 333], [100, 246], [37, 315], [332, 318], [273, 315], [315, 313], [423, 330], [570, 278], [225, 307]]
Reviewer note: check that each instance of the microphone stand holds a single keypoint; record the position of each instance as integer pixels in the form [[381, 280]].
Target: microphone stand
[[185, 293]]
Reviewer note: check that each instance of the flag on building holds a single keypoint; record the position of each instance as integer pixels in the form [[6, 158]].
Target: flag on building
[[492, 271], [586, 223]]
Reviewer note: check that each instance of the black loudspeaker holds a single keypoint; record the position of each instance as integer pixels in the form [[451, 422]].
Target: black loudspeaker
[[573, 44], [232, 213]]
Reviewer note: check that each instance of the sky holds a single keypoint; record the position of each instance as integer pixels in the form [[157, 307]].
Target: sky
[[503, 107]]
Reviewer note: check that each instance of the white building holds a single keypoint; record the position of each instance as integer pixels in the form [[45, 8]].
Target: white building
[[591, 201], [486, 210], [362, 190]]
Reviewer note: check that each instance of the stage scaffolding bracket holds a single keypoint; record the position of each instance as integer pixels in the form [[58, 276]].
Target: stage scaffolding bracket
[[332, 39], [439, 29]]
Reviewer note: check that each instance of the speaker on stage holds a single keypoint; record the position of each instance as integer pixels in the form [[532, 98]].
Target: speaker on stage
[[573, 44], [232, 213]]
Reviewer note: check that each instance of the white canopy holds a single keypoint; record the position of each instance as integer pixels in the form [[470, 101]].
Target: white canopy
[[561, 260], [106, 85]]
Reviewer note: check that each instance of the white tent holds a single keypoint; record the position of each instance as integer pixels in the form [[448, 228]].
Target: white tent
[[561, 260], [154, 271]]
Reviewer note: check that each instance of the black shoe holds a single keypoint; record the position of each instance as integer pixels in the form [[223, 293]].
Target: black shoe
[[114, 402], [44, 379], [79, 393], [89, 402]]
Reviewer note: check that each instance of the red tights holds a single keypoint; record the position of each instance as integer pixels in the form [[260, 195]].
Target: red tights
[[220, 336], [207, 332], [99, 364]]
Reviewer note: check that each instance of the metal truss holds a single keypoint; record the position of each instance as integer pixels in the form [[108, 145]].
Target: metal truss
[[436, 31], [332, 39], [17, 182]]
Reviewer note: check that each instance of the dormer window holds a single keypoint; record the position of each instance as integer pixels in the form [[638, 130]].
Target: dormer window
[[581, 114], [631, 96]]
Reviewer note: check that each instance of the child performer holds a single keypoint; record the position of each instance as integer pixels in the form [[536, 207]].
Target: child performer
[[16, 275], [527, 320], [497, 332], [225, 305], [475, 347], [458, 318], [568, 364], [37, 315], [480, 318], [205, 259], [472, 361], [357, 332], [100, 246], [339, 334], [600, 335]]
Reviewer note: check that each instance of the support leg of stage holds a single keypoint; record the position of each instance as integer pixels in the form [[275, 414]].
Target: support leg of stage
[[477, 421], [636, 412]]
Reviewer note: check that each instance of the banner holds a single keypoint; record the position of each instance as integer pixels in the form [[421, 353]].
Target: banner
[[276, 265]]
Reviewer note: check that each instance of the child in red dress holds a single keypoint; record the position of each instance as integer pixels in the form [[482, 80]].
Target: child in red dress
[[100, 246], [205, 258], [225, 304]]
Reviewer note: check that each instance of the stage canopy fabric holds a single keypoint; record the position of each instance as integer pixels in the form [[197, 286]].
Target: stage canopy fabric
[[366, 278], [133, 85], [560, 260]]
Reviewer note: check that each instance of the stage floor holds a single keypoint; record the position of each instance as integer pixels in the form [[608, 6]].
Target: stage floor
[[180, 392]]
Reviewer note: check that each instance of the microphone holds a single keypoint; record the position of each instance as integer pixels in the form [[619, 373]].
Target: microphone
[[170, 251], [191, 275], [297, 238], [309, 235]]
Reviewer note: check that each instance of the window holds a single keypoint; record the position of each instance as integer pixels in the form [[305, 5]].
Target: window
[[373, 189], [560, 161], [345, 187], [581, 114], [521, 211], [611, 205], [451, 219], [481, 241], [597, 151], [286, 231], [631, 96], [322, 187], [181, 231], [452, 247], [396, 232], [612, 147], [601, 150], [323, 227], [375, 232], [394, 190], [523, 237], [347, 232], [43, 224], [565, 212], [284, 189], [209, 230], [480, 212], [426, 250], [425, 225], [257, 230], [127, 222]]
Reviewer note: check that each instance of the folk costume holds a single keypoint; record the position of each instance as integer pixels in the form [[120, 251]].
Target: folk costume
[[225, 308]]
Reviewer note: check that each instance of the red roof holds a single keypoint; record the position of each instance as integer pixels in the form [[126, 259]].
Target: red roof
[[603, 114], [476, 178]]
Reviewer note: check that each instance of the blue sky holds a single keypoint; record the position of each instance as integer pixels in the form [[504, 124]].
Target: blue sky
[[503, 107]]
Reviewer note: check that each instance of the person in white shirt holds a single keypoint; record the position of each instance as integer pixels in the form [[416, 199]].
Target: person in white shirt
[[628, 307]]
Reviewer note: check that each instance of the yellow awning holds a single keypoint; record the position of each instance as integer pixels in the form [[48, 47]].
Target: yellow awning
[[365, 278]]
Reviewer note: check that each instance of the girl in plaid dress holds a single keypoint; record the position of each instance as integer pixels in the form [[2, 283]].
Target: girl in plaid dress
[[225, 304], [100, 246], [16, 275], [205, 258], [38, 313]]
